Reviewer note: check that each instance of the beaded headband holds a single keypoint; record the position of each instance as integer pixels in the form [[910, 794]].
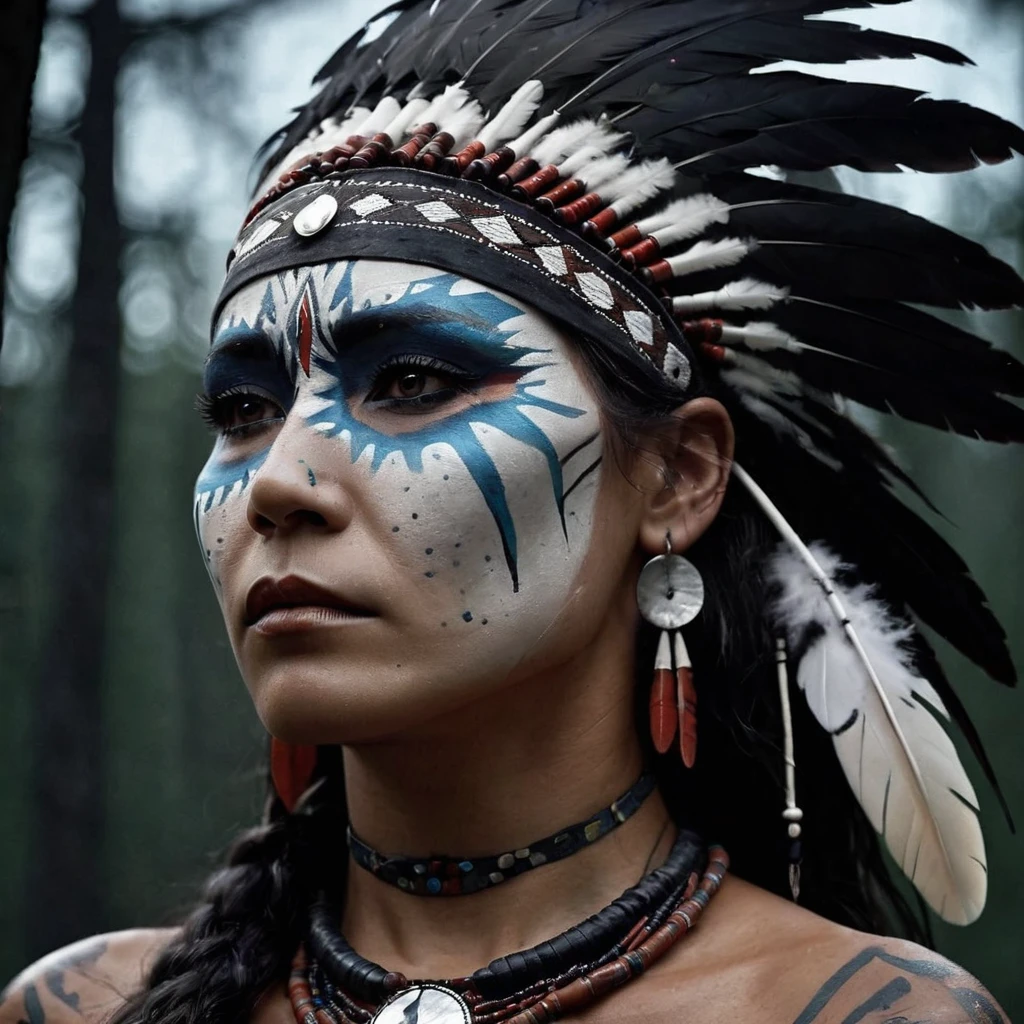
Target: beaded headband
[[462, 226]]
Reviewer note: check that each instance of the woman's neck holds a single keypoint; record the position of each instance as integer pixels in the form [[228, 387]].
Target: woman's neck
[[540, 755]]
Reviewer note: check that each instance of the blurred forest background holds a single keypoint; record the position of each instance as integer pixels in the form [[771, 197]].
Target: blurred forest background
[[131, 753]]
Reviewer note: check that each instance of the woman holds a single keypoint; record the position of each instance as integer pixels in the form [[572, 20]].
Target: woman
[[503, 312]]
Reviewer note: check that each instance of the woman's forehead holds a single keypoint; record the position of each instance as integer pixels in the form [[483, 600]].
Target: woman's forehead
[[344, 287]]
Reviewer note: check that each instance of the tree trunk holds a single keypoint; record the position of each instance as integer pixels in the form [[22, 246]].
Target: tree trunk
[[66, 877], [19, 57]]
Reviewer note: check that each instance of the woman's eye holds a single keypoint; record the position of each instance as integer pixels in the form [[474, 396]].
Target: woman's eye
[[239, 412], [242, 411], [410, 385], [413, 385]]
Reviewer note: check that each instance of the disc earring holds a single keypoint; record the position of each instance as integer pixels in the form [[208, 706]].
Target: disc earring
[[670, 594]]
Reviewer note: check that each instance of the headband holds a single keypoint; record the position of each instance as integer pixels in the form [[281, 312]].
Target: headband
[[466, 228]]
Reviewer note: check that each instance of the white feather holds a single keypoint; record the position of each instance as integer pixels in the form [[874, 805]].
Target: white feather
[[685, 218], [596, 173], [592, 162], [345, 129], [577, 160], [710, 255], [746, 293], [380, 117], [522, 145], [513, 117], [463, 123], [406, 118], [557, 145], [761, 338], [638, 184], [444, 105], [859, 680], [772, 380], [331, 133]]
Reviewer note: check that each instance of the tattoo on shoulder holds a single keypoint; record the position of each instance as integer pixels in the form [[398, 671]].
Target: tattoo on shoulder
[[877, 987], [55, 981]]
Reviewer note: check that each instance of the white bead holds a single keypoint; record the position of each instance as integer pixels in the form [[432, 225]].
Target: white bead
[[793, 814], [794, 831]]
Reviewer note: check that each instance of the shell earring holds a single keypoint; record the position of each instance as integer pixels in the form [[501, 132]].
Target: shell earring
[[670, 594]]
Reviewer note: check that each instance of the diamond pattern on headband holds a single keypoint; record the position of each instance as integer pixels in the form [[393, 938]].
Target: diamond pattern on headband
[[370, 204], [387, 199], [553, 258], [437, 212], [596, 289], [497, 229], [640, 325]]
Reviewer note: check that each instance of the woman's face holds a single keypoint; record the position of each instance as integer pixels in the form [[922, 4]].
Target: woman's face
[[401, 498]]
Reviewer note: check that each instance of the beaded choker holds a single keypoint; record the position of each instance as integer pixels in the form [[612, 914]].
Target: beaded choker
[[457, 876], [331, 984]]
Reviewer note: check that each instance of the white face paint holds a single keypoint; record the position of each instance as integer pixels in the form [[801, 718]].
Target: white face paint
[[419, 445]]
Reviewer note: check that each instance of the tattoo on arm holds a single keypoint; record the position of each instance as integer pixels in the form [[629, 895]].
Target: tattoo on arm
[[918, 983], [56, 981]]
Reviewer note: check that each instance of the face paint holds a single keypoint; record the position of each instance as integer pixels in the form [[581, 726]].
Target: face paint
[[470, 503]]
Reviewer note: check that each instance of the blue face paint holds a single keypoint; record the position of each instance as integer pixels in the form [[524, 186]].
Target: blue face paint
[[243, 358], [462, 329], [354, 342]]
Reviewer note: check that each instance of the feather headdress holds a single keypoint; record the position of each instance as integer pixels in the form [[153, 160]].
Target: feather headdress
[[633, 124]]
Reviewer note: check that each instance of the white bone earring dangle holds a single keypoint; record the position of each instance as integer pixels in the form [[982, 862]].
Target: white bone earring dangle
[[792, 815], [670, 594]]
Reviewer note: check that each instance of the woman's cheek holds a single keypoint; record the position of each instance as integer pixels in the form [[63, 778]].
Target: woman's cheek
[[475, 565]]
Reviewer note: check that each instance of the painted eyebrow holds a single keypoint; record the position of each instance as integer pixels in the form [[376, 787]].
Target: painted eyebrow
[[243, 342], [365, 324]]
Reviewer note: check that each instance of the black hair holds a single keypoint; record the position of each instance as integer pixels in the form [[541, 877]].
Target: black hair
[[240, 940]]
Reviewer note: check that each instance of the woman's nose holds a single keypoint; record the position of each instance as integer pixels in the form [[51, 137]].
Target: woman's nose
[[286, 492]]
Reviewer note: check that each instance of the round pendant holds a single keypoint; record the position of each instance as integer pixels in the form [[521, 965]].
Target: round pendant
[[670, 591], [424, 1004], [315, 216]]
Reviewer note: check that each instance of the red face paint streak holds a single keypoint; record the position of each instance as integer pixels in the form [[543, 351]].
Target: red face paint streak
[[305, 333]]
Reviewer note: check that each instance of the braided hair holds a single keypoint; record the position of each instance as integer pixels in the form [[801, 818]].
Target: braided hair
[[239, 941]]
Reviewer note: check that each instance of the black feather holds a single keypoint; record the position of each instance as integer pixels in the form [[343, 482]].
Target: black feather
[[864, 249], [945, 405], [802, 122]]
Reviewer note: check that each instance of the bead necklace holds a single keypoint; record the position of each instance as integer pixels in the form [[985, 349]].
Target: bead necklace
[[331, 984], [458, 876]]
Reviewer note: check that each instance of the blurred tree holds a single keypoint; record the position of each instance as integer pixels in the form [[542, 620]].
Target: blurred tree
[[19, 57], [67, 771]]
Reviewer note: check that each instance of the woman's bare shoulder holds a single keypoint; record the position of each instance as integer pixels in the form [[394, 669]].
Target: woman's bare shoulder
[[755, 956], [84, 982]]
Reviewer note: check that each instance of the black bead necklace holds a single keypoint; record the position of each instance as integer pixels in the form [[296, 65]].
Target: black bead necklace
[[332, 984], [458, 876]]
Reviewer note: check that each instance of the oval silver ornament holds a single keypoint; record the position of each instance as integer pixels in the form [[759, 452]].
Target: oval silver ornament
[[424, 1004], [670, 591], [315, 216]]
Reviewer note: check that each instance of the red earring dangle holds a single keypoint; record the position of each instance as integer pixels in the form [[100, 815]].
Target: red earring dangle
[[291, 768], [670, 594]]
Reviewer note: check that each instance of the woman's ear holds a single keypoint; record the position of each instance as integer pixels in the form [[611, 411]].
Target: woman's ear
[[684, 482]]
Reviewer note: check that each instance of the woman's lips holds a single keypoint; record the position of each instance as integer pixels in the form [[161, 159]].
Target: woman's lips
[[293, 604], [300, 618]]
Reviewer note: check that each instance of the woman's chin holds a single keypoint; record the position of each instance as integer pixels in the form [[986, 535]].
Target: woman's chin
[[354, 705]]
